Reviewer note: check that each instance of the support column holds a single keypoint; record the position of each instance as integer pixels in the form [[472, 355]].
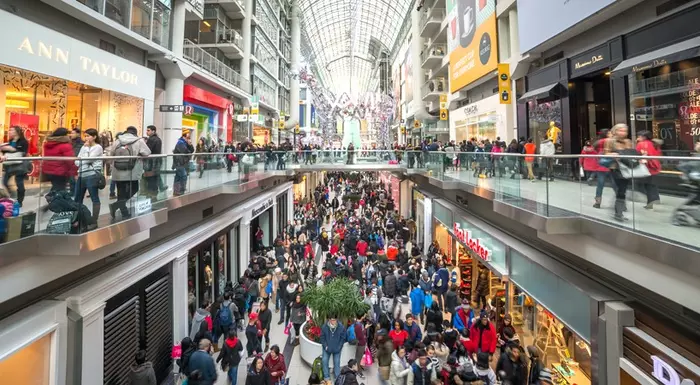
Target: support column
[[93, 345], [514, 41], [246, 31], [179, 295], [290, 204], [513, 32], [172, 130], [617, 315], [275, 218], [245, 242], [178, 23], [294, 57]]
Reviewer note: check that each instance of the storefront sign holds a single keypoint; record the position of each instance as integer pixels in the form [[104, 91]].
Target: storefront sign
[[665, 373], [476, 245], [470, 110], [257, 211], [46, 51], [595, 59]]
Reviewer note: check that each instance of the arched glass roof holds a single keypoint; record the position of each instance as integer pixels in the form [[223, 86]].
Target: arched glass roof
[[343, 38]]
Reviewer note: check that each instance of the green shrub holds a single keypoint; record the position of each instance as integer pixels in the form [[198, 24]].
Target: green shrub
[[341, 297]]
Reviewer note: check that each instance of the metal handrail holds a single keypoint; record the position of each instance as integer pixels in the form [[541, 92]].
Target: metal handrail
[[500, 154], [208, 62], [197, 4]]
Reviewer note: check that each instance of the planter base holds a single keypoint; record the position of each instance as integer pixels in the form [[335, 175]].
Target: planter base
[[310, 350]]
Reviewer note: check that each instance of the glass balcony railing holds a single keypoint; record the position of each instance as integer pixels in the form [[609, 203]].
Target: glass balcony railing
[[438, 50], [437, 15], [218, 36], [75, 204], [434, 87], [550, 186], [197, 4], [207, 62]]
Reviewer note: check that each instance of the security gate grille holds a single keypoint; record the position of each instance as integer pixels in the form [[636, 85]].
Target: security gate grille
[[122, 330], [158, 330]]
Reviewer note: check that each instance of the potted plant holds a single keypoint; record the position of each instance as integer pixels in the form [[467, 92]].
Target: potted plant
[[341, 298]]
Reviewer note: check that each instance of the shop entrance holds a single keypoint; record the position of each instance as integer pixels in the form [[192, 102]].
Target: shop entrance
[[591, 104], [264, 223]]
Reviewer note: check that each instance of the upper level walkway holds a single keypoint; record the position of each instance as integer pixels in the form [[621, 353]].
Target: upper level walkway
[[560, 197]]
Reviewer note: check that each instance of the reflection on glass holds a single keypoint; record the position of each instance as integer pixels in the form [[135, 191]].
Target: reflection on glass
[[118, 10], [95, 5], [221, 259], [141, 17], [30, 362], [541, 115], [161, 23], [192, 282]]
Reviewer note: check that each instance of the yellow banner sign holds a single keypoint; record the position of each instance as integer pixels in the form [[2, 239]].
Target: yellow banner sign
[[504, 83], [443, 114]]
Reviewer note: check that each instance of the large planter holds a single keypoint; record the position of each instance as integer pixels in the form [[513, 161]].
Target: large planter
[[311, 350]]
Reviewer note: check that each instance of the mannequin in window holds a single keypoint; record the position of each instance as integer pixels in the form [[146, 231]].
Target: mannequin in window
[[553, 133]]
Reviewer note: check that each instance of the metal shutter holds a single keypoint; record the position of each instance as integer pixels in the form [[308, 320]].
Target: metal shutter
[[158, 327], [121, 342]]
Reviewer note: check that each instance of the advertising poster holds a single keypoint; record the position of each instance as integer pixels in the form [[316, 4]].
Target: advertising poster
[[471, 40]]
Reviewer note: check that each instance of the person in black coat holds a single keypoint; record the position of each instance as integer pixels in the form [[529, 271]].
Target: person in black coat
[[258, 375], [512, 367], [187, 348], [390, 282], [434, 316], [265, 317]]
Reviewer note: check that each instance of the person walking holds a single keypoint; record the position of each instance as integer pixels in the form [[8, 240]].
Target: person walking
[[512, 367], [77, 144], [141, 372], [400, 368], [274, 363], [265, 317], [422, 371], [181, 160], [646, 145], [202, 362], [58, 172], [298, 317], [127, 172], [89, 172], [361, 336], [230, 355], [332, 340], [483, 335], [536, 365], [530, 149], [258, 374], [619, 144], [17, 147], [152, 167]]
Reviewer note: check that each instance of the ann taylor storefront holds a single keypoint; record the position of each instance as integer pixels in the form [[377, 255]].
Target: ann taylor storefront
[[50, 80], [553, 307]]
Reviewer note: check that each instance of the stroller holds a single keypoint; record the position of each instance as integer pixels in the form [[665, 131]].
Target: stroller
[[688, 214], [69, 216]]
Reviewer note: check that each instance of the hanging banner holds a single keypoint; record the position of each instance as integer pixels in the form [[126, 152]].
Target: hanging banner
[[504, 83], [471, 40]]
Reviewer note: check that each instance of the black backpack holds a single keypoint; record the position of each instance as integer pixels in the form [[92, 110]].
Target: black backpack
[[124, 149]]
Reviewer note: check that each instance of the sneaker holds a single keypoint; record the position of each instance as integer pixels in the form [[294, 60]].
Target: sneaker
[[112, 196]]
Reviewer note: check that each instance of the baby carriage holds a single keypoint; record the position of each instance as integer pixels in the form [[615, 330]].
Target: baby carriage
[[688, 214]]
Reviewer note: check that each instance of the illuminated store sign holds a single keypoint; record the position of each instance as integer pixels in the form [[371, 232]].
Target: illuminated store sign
[[475, 244], [257, 211], [666, 375], [43, 50]]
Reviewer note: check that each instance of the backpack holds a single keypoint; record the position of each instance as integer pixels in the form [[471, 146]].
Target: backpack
[[124, 149], [386, 305], [317, 367], [352, 337], [225, 316], [340, 380]]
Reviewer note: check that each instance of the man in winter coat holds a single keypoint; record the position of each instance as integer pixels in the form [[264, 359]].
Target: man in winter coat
[[441, 282], [412, 328], [126, 173], [142, 372], [201, 315], [422, 371], [201, 360], [451, 301], [349, 374], [389, 288], [483, 335], [333, 338], [536, 365], [152, 167], [512, 367], [464, 316], [417, 301], [181, 159]]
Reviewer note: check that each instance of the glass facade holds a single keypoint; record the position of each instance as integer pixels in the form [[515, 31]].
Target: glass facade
[[481, 127], [266, 55], [267, 20], [210, 266], [540, 115], [148, 18], [41, 104], [666, 102]]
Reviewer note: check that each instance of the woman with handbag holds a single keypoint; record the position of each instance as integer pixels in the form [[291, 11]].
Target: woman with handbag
[[90, 177], [647, 146], [619, 144], [16, 148], [274, 362]]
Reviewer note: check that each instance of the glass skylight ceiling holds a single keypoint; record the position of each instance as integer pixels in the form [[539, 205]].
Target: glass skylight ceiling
[[344, 35]]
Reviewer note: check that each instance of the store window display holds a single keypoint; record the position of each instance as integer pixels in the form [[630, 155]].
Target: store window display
[[560, 349], [30, 364], [665, 101], [221, 262], [545, 122], [43, 103]]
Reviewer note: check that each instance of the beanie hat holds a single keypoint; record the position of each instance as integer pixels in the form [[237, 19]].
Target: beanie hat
[[546, 376], [483, 314]]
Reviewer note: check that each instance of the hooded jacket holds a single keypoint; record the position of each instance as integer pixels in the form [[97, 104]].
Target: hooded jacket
[[138, 148], [417, 300], [275, 365], [350, 376], [200, 316], [203, 362], [422, 376], [399, 370], [389, 288], [58, 146], [142, 374], [231, 352], [515, 371], [483, 338], [463, 318], [333, 339]]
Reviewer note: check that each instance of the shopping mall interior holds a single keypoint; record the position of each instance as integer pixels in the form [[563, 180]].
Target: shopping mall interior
[[174, 171]]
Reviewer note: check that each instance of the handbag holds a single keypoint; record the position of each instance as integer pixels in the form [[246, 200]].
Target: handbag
[[286, 328], [639, 171], [248, 160], [384, 372], [367, 360]]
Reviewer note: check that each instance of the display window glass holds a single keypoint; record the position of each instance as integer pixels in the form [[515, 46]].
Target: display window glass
[[481, 127], [161, 22], [221, 264], [29, 365], [118, 10], [141, 13], [41, 104], [561, 350], [541, 118], [665, 101]]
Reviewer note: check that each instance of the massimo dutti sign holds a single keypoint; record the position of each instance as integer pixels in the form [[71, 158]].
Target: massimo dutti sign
[[597, 59], [39, 49]]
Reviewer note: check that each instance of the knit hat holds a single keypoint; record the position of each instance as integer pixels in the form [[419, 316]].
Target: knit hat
[[483, 314], [482, 361], [546, 376]]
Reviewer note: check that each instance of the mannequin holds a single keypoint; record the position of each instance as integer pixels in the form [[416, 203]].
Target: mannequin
[[553, 132]]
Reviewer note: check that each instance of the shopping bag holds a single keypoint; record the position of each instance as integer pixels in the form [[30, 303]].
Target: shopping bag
[[286, 329], [581, 172], [639, 171], [367, 360]]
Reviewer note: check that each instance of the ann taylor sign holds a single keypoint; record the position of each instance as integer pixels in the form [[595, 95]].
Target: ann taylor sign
[[258, 210], [39, 49]]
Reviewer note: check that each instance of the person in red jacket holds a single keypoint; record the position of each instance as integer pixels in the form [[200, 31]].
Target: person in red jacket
[[58, 171], [590, 165], [392, 252], [362, 248], [647, 146], [274, 362], [483, 335]]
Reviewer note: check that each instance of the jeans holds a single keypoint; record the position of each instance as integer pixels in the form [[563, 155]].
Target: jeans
[[58, 182], [600, 179], [180, 181], [112, 188], [233, 374], [87, 184], [282, 305], [325, 357], [19, 181]]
